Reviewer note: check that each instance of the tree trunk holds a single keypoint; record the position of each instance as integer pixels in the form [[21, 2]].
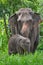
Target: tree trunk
[[5, 25]]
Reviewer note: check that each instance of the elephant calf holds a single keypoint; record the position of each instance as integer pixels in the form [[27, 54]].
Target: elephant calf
[[18, 44]]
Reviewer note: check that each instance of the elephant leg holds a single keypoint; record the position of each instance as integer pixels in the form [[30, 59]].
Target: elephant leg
[[12, 51], [36, 43], [20, 50]]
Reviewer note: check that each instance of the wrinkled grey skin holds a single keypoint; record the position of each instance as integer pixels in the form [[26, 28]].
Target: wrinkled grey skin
[[18, 44], [26, 23]]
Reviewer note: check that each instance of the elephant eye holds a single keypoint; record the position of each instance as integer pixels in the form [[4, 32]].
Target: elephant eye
[[27, 22], [19, 14]]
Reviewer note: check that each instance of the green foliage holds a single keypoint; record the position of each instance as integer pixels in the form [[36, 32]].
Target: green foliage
[[40, 9], [41, 29], [31, 4], [40, 46], [12, 5], [31, 59], [3, 38]]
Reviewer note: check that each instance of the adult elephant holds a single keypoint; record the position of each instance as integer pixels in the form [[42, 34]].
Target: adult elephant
[[26, 23]]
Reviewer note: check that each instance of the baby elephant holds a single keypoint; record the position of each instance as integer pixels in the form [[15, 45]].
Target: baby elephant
[[18, 44]]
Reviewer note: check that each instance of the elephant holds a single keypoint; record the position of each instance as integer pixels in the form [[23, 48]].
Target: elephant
[[18, 44], [26, 23]]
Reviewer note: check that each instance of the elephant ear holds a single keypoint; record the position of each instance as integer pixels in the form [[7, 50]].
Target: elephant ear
[[13, 23], [37, 17]]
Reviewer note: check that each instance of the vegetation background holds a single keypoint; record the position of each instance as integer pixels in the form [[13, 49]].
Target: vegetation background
[[7, 8]]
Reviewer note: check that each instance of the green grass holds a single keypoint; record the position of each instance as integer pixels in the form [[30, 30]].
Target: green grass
[[30, 59]]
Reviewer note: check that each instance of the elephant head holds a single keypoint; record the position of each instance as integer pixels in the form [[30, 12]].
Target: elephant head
[[23, 21]]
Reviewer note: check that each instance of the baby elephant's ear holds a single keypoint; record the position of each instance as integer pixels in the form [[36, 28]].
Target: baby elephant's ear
[[37, 17], [13, 23]]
